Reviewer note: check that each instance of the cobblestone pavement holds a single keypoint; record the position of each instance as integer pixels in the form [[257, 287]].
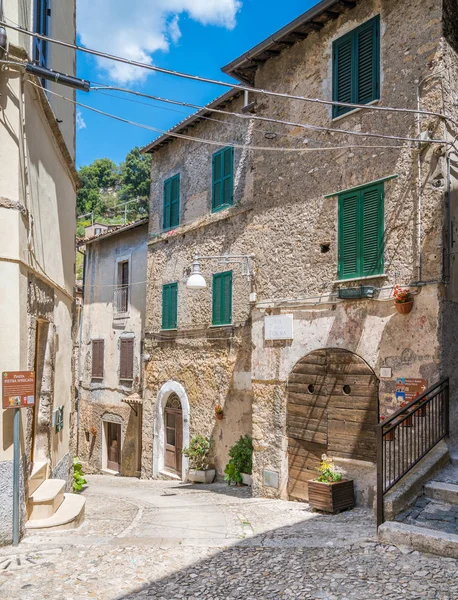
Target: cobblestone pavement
[[432, 514], [165, 540]]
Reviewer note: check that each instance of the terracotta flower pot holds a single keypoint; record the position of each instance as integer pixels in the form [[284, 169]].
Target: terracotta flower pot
[[404, 307], [219, 416]]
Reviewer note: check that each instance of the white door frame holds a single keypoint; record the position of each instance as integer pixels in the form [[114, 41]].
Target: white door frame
[[170, 387]]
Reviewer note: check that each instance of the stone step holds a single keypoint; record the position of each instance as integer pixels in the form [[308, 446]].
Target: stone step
[[445, 492], [38, 475], [46, 499], [419, 538], [69, 515]]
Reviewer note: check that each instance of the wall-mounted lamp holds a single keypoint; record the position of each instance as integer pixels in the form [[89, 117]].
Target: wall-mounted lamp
[[197, 282]]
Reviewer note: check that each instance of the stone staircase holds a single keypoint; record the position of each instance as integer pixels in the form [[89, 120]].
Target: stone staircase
[[430, 523], [49, 507]]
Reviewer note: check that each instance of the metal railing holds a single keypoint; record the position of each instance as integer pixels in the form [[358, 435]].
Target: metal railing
[[121, 299], [408, 435]]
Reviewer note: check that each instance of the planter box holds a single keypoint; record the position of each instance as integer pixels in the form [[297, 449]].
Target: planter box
[[331, 497], [246, 479], [196, 476]]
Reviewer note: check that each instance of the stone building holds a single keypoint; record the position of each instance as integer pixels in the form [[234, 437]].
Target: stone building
[[310, 345], [38, 184], [111, 349]]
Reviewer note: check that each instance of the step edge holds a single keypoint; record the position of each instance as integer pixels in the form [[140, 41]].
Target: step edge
[[60, 486], [44, 523]]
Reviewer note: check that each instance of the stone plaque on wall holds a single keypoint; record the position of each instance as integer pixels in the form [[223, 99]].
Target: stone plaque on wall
[[278, 327], [271, 479]]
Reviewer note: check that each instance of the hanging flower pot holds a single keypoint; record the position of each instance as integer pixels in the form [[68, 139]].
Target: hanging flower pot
[[219, 412], [391, 435], [403, 300], [408, 421]]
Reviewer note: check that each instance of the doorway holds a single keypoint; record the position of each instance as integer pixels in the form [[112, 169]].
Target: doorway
[[44, 387], [113, 437], [173, 433], [332, 409]]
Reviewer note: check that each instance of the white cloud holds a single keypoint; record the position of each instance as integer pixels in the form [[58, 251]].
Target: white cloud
[[80, 122], [137, 29]]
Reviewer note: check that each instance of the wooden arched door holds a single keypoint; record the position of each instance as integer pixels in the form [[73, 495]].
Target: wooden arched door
[[173, 432], [332, 409]]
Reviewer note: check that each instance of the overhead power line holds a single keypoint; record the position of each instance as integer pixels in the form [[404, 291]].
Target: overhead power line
[[216, 142], [134, 63]]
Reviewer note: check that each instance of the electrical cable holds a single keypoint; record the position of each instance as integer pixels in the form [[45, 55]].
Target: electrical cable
[[215, 142], [226, 84]]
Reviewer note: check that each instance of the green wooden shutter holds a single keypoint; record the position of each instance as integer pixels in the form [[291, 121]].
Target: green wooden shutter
[[228, 163], [216, 299], [342, 73], [372, 230], [226, 298], [167, 203], [175, 202], [367, 62], [169, 306], [349, 223], [217, 177]]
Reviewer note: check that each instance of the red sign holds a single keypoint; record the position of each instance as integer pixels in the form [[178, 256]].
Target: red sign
[[18, 389], [411, 388]]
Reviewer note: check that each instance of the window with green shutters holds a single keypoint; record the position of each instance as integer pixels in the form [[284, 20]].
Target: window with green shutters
[[170, 306], [361, 216], [222, 178], [222, 298], [356, 66], [171, 202]]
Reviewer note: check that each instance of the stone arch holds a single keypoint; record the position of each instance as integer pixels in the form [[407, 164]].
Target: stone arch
[[169, 388], [332, 408]]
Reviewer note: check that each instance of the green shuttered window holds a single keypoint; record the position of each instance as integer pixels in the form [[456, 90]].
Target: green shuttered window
[[361, 232], [171, 202], [223, 179], [170, 306], [222, 298], [356, 66]]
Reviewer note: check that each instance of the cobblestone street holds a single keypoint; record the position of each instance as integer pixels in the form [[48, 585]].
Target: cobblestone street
[[166, 540]]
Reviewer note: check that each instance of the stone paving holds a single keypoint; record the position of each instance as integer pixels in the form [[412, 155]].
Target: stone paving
[[432, 514], [166, 541]]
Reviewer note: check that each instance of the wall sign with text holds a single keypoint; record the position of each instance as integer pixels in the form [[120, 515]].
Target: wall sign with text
[[278, 327], [18, 389]]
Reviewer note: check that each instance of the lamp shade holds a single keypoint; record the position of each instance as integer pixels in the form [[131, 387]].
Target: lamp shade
[[196, 281]]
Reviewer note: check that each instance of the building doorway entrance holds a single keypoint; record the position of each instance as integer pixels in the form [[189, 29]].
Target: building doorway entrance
[[173, 433], [113, 437], [332, 409]]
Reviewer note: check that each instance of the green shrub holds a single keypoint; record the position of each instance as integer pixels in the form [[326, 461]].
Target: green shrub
[[198, 452], [78, 475], [241, 460]]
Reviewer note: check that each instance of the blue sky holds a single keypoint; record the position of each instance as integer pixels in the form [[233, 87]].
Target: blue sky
[[199, 40]]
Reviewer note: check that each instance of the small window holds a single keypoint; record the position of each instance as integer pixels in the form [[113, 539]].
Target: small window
[[222, 299], [361, 232], [121, 299], [171, 202], [222, 179], [97, 231], [170, 306], [356, 66], [126, 360], [98, 348]]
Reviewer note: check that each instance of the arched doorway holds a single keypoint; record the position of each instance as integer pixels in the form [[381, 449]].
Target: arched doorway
[[171, 400], [173, 434], [332, 409]]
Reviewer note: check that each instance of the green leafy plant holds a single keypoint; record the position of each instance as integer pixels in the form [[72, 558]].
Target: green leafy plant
[[198, 452], [241, 460], [78, 475], [327, 474]]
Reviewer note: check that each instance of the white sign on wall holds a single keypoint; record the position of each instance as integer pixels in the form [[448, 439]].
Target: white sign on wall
[[278, 327]]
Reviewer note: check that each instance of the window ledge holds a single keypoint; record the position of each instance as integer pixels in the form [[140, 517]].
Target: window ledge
[[368, 277], [125, 315], [170, 329], [222, 325], [355, 110]]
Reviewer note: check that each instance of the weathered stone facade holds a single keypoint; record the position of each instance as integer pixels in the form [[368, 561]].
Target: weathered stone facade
[[284, 214]]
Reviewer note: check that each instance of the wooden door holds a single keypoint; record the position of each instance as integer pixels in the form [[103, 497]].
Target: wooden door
[[173, 432], [332, 409], [114, 446]]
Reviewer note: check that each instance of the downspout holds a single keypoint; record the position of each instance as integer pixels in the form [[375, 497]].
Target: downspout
[[80, 341]]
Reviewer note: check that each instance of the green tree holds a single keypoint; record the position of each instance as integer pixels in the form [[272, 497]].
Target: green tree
[[101, 174], [135, 179]]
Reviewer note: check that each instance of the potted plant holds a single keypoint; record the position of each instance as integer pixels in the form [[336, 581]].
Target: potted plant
[[219, 412], [198, 452], [238, 469], [391, 435], [329, 491], [403, 300], [407, 422]]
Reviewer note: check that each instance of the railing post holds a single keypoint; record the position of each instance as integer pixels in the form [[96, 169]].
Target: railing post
[[447, 408], [379, 440]]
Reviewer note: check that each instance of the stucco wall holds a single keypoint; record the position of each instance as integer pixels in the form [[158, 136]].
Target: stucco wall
[[100, 321]]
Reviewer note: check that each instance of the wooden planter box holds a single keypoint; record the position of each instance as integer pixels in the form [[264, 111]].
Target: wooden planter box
[[331, 497]]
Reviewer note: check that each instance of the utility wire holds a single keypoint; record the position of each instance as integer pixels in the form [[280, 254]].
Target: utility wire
[[226, 84], [215, 142]]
